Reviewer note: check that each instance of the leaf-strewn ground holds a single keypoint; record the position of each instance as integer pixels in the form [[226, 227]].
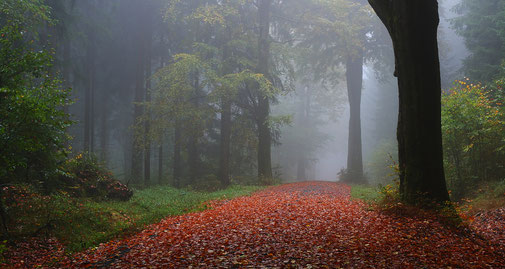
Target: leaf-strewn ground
[[301, 225]]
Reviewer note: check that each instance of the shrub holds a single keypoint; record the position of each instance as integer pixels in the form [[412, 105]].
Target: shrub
[[473, 125], [86, 177]]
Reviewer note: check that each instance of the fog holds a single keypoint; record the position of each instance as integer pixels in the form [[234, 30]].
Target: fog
[[200, 92]]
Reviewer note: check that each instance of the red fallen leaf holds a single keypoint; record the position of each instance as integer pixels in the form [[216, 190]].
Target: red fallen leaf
[[294, 225]]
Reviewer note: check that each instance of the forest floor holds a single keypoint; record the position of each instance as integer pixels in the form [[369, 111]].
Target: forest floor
[[299, 225]]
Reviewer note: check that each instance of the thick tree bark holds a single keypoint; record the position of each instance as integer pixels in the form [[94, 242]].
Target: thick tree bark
[[354, 75], [264, 135], [413, 28]]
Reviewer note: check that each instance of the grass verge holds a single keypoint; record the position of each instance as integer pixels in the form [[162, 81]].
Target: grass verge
[[84, 223], [366, 193]]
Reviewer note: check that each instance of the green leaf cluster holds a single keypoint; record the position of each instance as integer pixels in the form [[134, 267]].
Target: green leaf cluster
[[32, 120], [473, 124]]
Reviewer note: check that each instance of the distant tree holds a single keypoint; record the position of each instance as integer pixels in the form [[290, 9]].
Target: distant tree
[[482, 25], [343, 32], [412, 26]]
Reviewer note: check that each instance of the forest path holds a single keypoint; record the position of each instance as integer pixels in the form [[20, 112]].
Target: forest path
[[299, 225]]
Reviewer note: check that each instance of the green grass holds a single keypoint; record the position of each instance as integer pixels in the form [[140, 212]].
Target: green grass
[[488, 196], [365, 192], [84, 223]]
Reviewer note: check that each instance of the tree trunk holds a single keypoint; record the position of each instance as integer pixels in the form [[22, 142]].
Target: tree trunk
[[264, 135], [160, 163], [177, 172], [89, 92], [224, 159], [137, 149], [104, 137], [354, 76], [193, 150], [147, 127], [301, 173], [413, 28], [225, 134], [66, 66]]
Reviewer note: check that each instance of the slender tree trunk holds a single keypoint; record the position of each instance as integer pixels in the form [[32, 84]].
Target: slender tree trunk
[[354, 75], [193, 147], [137, 149], [104, 137], [224, 159], [147, 127], [304, 120], [413, 28], [301, 173], [264, 134], [89, 93], [225, 135], [177, 170], [160, 147], [160, 163], [66, 70]]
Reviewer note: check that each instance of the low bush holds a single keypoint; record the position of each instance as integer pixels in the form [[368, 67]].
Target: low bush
[[85, 177]]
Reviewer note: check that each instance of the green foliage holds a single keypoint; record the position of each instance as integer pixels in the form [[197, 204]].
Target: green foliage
[[473, 125], [32, 127], [83, 223]]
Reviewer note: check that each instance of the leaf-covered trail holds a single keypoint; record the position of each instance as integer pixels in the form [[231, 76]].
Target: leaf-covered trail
[[301, 225]]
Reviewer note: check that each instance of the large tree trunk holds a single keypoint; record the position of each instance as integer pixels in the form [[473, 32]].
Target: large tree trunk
[[264, 135], [413, 28], [354, 75]]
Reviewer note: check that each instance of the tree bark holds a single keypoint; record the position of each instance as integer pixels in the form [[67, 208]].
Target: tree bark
[[264, 135], [354, 76], [413, 28]]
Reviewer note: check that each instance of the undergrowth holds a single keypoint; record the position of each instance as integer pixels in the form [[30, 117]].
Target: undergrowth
[[80, 223]]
